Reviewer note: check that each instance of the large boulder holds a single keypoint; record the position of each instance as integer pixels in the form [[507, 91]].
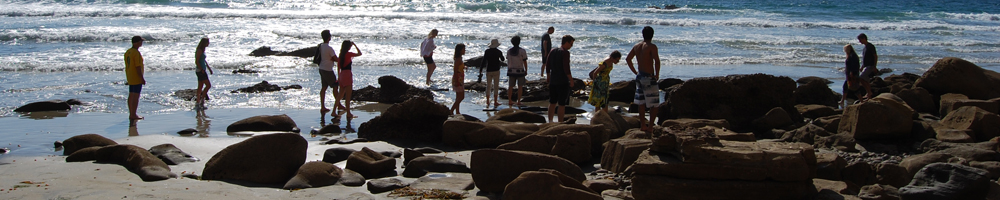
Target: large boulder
[[547, 184], [422, 165], [461, 133], [598, 135], [268, 159], [622, 91], [85, 154], [919, 99], [954, 75], [517, 115], [982, 151], [314, 174], [417, 119], [493, 169], [336, 154], [171, 155], [914, 163], [370, 164], [947, 181], [619, 154], [889, 173], [571, 145], [777, 117], [137, 160], [392, 90], [816, 92], [982, 125], [78, 142], [814, 111], [737, 98], [613, 122], [281, 123], [749, 161], [883, 117], [829, 164], [50, 105]]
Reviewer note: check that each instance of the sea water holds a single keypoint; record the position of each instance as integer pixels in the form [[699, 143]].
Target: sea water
[[63, 49]]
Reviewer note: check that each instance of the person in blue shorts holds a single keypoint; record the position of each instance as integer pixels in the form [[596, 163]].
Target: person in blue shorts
[[647, 93], [134, 69]]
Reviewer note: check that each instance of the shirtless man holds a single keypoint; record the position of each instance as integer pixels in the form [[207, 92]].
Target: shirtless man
[[647, 94]]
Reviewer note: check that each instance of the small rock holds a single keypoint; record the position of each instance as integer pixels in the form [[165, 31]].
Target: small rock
[[187, 132]]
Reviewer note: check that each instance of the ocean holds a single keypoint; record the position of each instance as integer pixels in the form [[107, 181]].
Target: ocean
[[72, 49]]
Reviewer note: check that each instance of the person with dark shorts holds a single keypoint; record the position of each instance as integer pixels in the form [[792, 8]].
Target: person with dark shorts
[[546, 46], [134, 70], [560, 77], [202, 65], [427, 52], [328, 79]]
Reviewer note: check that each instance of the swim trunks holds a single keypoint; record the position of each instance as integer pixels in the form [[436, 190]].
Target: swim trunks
[[135, 88], [559, 94], [647, 91], [327, 78]]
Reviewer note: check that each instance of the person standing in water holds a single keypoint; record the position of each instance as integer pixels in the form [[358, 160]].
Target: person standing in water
[[328, 79], [602, 81], [134, 70], [647, 94], [517, 69], [560, 78], [346, 77], [201, 62], [546, 47], [492, 59], [458, 78], [427, 52]]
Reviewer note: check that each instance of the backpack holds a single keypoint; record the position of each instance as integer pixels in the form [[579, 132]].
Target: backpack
[[316, 58]]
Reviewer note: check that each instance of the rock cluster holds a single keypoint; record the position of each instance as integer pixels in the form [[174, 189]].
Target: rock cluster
[[391, 90]]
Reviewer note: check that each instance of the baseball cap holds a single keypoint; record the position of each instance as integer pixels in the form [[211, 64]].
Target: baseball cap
[[137, 39]]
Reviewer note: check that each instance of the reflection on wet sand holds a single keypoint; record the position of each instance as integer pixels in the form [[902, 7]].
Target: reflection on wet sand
[[133, 130], [203, 123], [44, 114]]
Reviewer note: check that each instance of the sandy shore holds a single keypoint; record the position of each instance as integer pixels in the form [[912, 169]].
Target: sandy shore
[[50, 177]]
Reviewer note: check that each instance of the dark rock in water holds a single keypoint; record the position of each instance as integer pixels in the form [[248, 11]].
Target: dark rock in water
[[737, 98], [83, 141], [622, 91], [187, 132], [954, 75], [51, 105], [384, 185], [816, 92], [263, 86], [314, 174], [417, 119], [263, 51], [663, 84], [947, 181], [422, 165], [186, 94], [517, 115], [292, 87], [475, 62], [4, 150], [171, 155], [137, 160], [536, 90], [335, 155], [809, 79], [57, 144], [569, 109], [392, 90], [264, 123], [308, 52], [245, 71], [267, 159]]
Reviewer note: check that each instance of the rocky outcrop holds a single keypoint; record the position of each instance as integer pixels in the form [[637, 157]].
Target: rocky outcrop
[[186, 94], [460, 133], [919, 99], [598, 135], [816, 92], [547, 184], [947, 181], [171, 155], [954, 75], [420, 166], [571, 145], [264, 123], [493, 169], [517, 115], [883, 117], [612, 121], [268, 159], [391, 90], [979, 124], [417, 119], [314, 174], [691, 164], [619, 154], [737, 98], [264, 86], [137, 160], [51, 105], [78, 142], [814, 111], [370, 164], [536, 90], [808, 79]]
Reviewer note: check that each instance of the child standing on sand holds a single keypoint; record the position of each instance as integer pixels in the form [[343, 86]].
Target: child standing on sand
[[134, 69], [346, 80], [202, 64], [602, 80], [458, 78]]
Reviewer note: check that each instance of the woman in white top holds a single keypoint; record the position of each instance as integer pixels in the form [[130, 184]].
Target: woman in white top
[[427, 51]]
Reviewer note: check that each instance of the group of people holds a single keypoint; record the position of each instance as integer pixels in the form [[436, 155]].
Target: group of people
[[555, 66]]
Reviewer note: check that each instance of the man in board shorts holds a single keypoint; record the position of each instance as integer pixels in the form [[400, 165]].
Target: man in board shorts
[[647, 94]]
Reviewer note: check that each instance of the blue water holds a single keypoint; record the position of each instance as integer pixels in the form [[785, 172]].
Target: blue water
[[61, 49]]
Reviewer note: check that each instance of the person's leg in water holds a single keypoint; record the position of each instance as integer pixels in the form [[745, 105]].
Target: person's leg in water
[[430, 71], [459, 96]]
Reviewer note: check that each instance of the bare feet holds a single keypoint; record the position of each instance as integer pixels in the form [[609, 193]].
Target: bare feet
[[324, 110], [136, 117]]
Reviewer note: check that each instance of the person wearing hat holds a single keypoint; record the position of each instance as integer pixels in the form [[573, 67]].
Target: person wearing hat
[[134, 68], [492, 59]]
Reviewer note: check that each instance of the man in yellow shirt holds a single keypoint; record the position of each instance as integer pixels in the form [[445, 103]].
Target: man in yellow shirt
[[133, 74]]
